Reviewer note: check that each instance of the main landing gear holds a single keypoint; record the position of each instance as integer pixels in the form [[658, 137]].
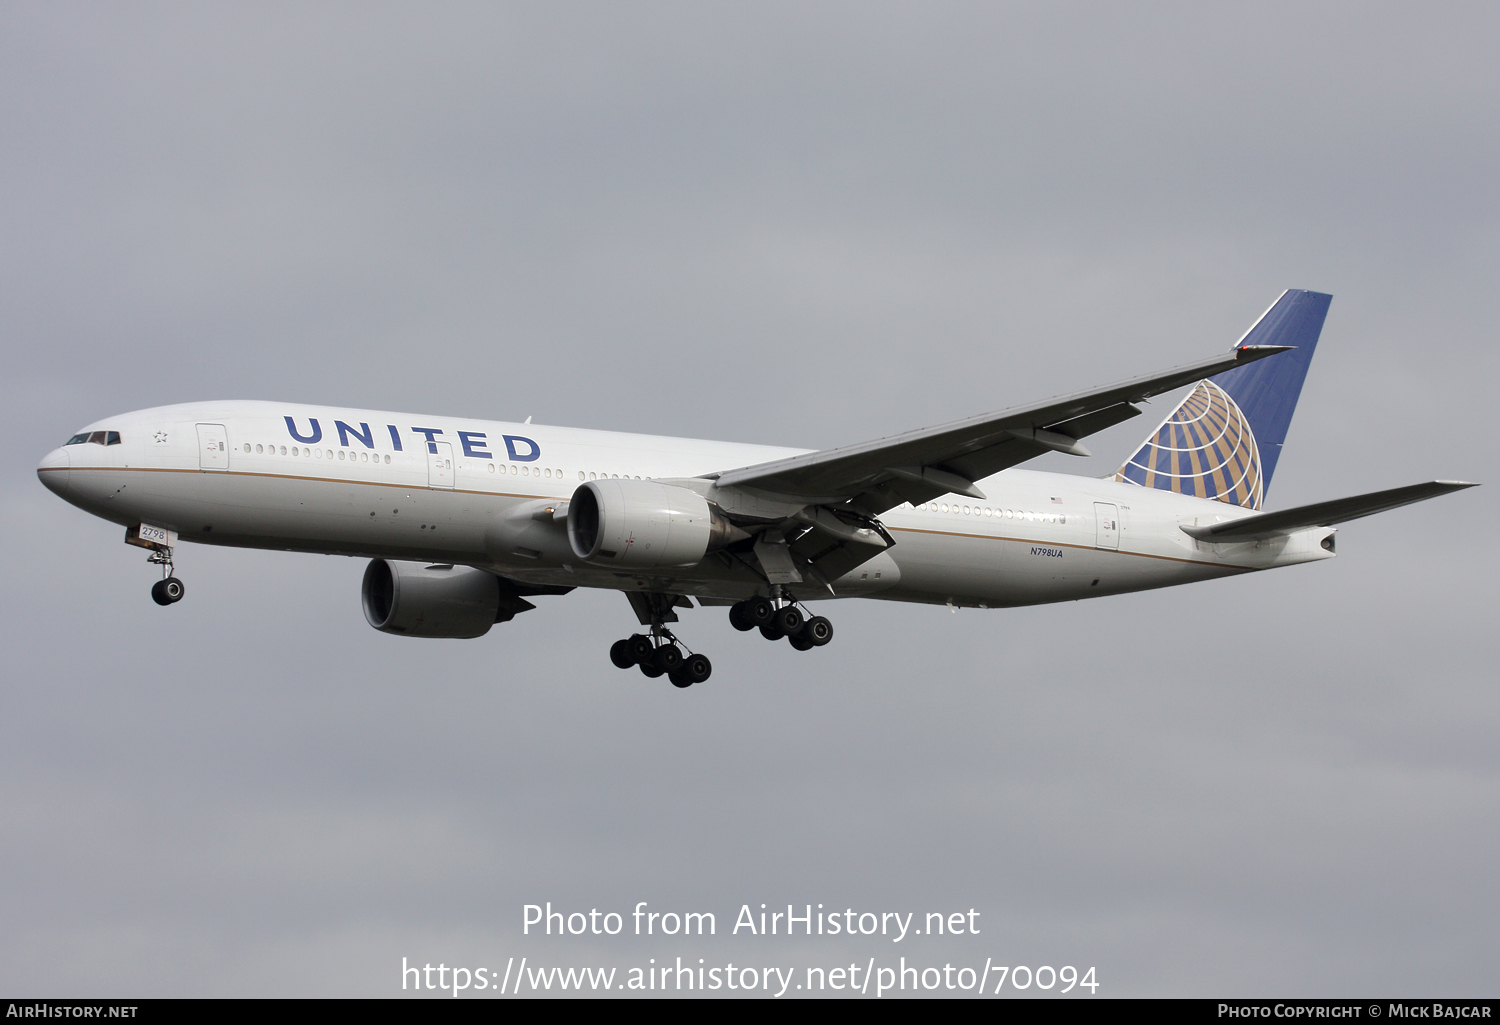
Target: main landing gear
[[802, 632], [659, 654], [168, 590]]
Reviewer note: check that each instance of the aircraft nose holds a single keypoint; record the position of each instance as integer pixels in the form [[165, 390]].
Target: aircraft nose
[[53, 471]]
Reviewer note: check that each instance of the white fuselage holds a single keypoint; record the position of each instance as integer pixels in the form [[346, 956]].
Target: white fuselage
[[369, 483]]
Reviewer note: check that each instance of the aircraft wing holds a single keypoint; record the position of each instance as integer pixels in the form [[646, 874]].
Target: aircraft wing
[[920, 465], [1323, 514]]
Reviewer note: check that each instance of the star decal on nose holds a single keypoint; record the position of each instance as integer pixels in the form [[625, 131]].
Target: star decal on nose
[[161, 437]]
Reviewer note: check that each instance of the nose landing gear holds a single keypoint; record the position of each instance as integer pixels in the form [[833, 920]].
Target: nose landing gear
[[168, 590]]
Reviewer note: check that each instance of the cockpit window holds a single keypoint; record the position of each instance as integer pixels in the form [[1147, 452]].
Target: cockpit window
[[78, 439], [97, 438], [112, 438]]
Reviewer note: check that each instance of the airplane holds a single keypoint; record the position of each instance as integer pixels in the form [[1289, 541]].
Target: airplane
[[464, 520]]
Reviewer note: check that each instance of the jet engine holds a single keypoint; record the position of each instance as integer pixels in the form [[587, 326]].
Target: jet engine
[[644, 523], [417, 600]]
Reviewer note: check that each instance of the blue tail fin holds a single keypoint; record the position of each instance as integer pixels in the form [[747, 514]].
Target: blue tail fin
[[1225, 438]]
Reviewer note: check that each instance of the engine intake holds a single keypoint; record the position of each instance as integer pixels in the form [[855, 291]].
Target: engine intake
[[644, 523], [417, 600]]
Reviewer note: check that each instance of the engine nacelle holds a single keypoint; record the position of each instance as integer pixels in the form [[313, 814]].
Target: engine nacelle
[[643, 523], [417, 600]]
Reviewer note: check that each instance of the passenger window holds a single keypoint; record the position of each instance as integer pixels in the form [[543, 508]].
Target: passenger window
[[112, 438], [387, 458]]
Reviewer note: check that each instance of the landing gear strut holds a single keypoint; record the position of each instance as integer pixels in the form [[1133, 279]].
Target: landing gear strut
[[801, 631], [168, 590]]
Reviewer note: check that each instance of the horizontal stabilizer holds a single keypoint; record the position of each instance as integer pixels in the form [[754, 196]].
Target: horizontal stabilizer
[[1323, 514]]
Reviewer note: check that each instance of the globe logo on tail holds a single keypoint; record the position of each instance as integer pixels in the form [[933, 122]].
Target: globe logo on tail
[[1205, 448]]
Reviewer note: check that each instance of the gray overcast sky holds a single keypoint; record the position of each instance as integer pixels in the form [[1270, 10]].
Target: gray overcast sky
[[801, 224]]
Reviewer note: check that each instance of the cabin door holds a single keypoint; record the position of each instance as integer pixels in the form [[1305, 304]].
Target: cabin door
[[440, 465], [213, 447], [1106, 526]]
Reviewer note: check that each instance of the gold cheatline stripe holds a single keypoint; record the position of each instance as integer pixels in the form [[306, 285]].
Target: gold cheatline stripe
[[1062, 544], [294, 476]]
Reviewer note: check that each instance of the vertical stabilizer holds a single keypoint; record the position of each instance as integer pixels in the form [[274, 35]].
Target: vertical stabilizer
[[1223, 441]]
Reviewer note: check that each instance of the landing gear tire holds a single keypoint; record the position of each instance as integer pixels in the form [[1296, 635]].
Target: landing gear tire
[[771, 633], [818, 630], [668, 657], [801, 643], [697, 668], [168, 591], [650, 670], [739, 618], [758, 611], [680, 677], [788, 619], [619, 654], [642, 651]]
